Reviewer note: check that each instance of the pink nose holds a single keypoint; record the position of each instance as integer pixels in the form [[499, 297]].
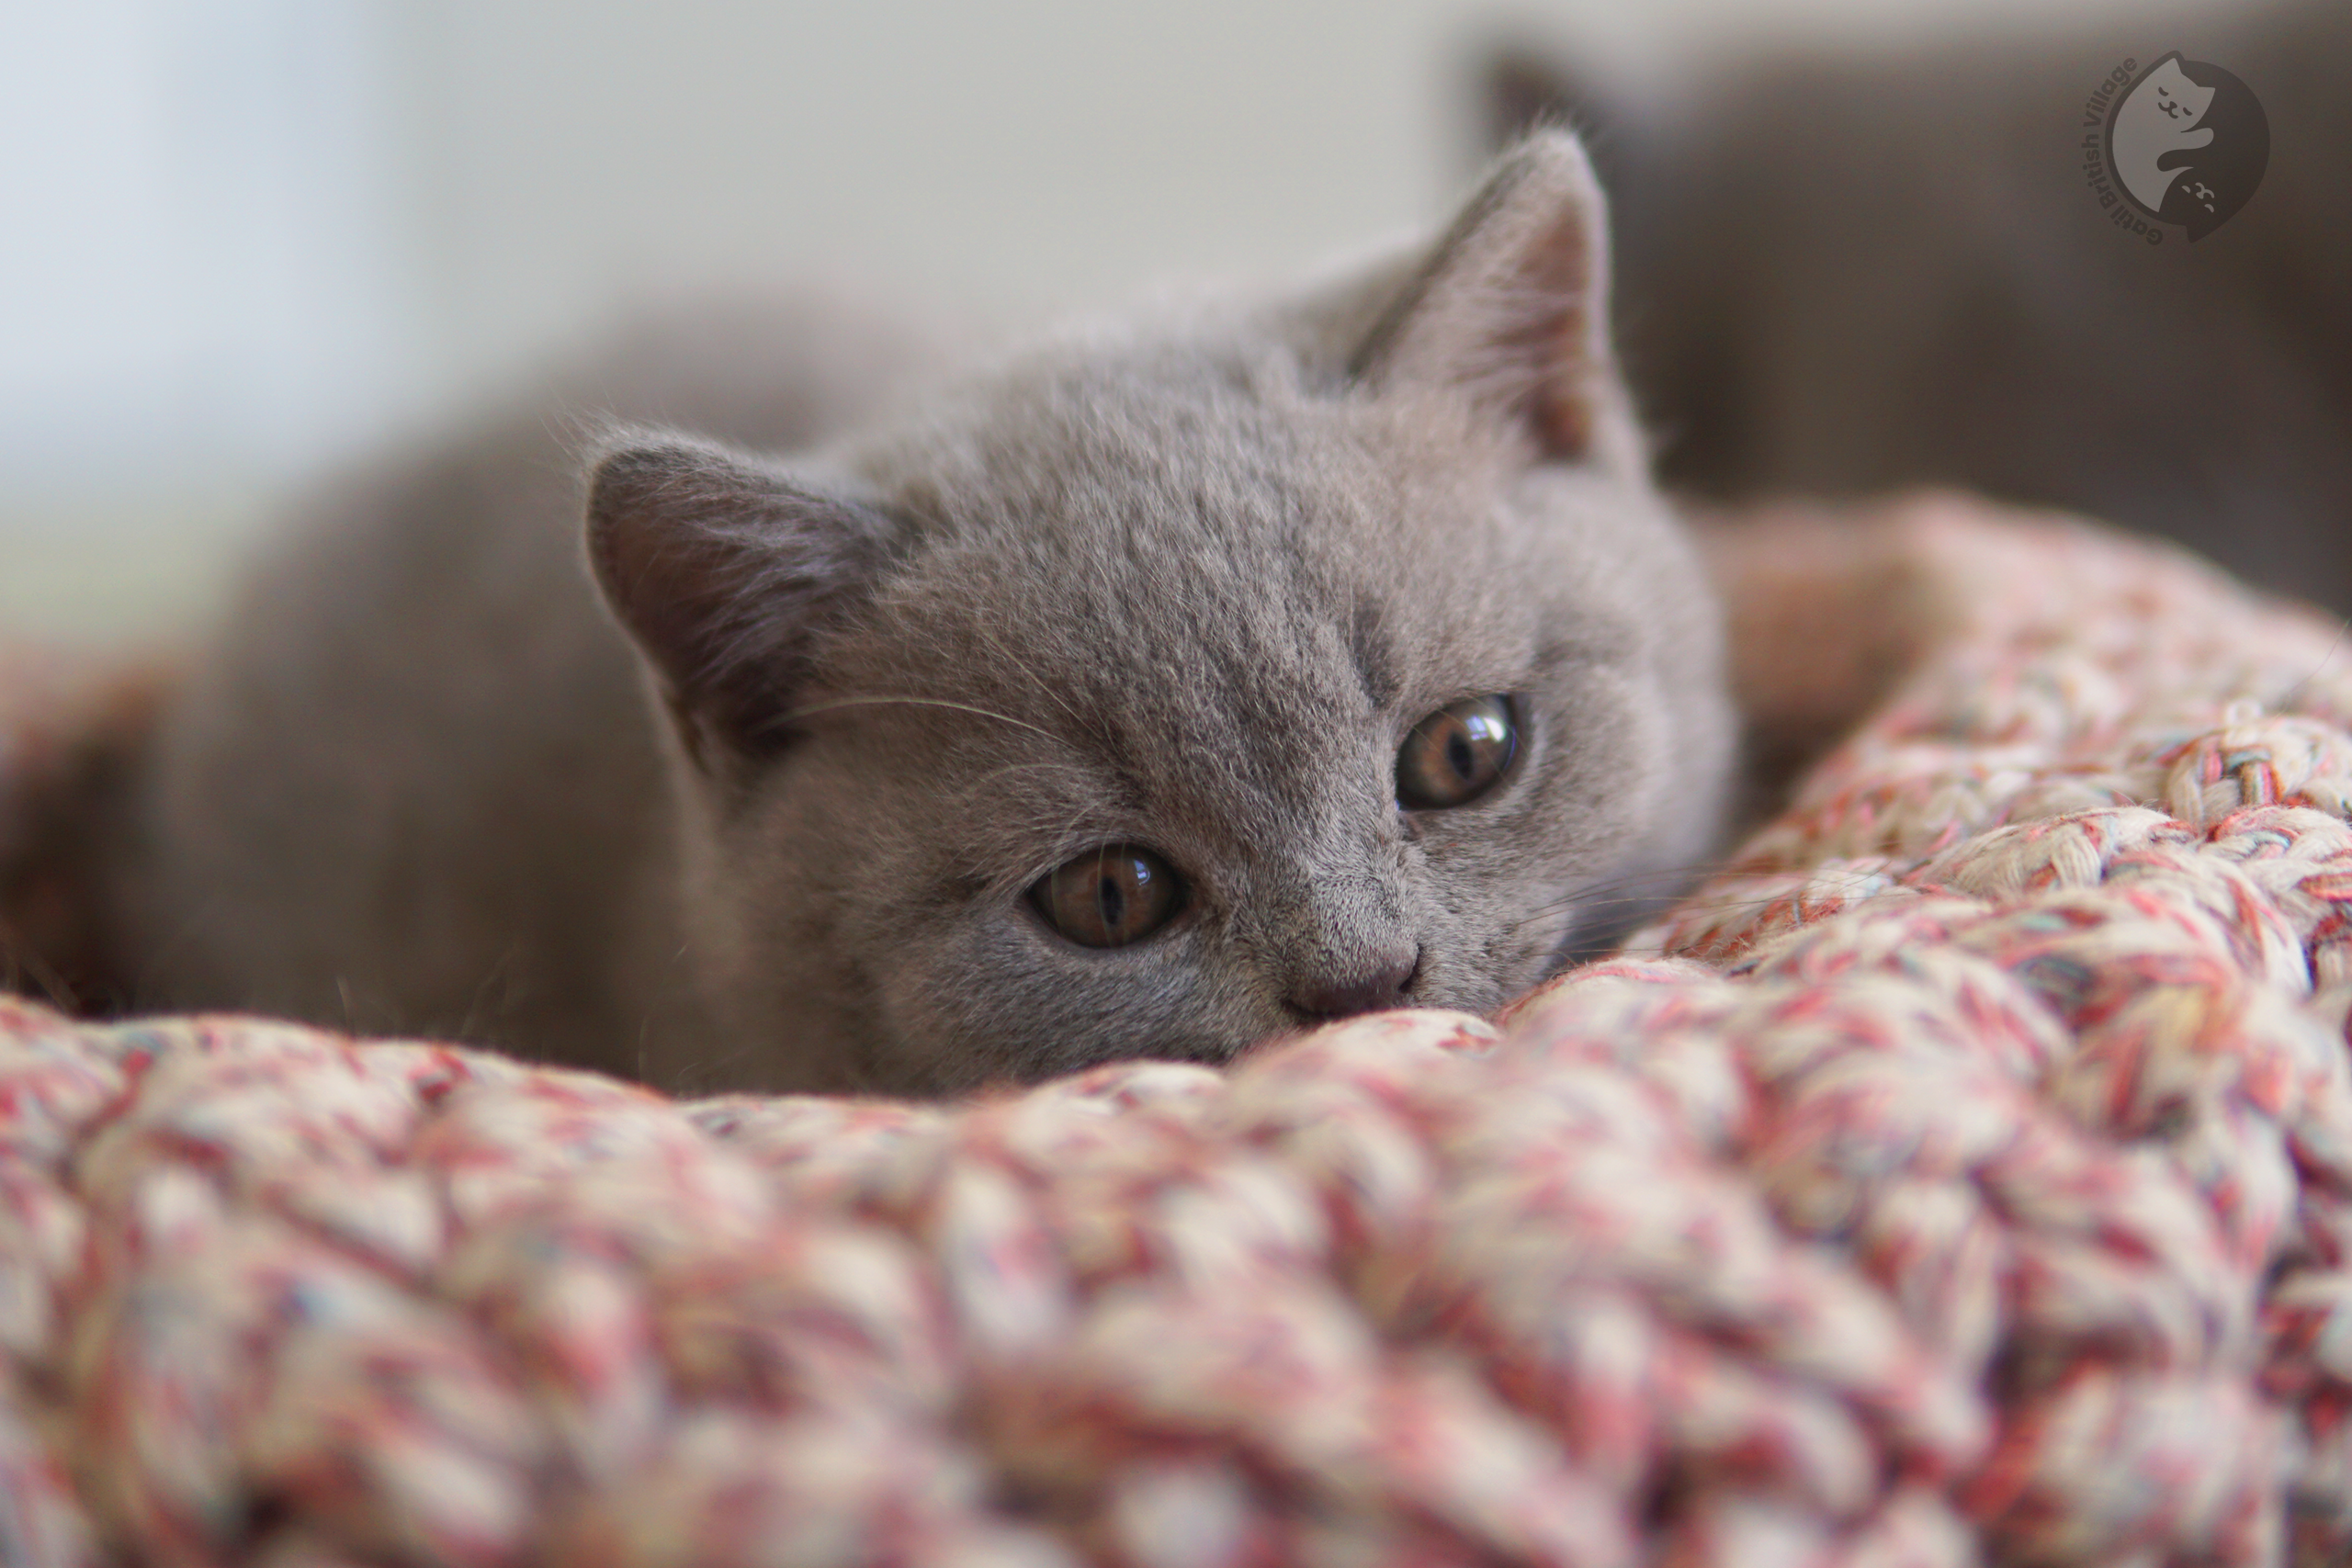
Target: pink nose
[[1382, 983]]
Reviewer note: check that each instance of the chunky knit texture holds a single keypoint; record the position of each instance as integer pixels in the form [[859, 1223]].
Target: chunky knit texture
[[1962, 1174]]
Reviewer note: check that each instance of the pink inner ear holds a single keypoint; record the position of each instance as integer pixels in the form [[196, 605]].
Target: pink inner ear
[[1558, 340], [722, 572], [1511, 310], [1526, 344]]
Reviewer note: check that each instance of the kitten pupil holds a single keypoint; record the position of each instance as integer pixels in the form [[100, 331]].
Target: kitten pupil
[[1118, 895]]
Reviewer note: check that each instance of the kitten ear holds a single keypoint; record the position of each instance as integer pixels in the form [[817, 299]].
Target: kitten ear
[[1512, 308], [1521, 87], [723, 571]]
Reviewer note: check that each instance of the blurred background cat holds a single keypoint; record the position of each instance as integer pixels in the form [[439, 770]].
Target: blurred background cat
[[1848, 269]]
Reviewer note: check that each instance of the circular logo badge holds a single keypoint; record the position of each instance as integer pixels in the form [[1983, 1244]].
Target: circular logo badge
[[2186, 144]]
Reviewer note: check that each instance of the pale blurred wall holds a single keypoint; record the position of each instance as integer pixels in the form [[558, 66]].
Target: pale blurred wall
[[243, 238]]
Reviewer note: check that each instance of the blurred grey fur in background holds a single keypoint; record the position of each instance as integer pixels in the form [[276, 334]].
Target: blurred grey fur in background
[[1846, 270]]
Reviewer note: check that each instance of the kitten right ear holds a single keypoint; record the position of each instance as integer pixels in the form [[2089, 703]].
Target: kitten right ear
[[723, 571], [1510, 310], [1520, 87]]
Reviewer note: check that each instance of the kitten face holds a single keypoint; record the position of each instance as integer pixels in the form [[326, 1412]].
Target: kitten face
[[1190, 588]]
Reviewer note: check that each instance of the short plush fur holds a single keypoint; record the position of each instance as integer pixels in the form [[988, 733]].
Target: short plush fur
[[756, 797]]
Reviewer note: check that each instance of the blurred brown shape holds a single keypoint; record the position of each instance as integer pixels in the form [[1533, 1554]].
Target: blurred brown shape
[[1849, 270]]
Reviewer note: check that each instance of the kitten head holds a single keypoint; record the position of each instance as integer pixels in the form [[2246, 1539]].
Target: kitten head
[[1181, 684]]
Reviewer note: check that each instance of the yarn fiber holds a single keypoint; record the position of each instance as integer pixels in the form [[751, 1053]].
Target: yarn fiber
[[1959, 1175]]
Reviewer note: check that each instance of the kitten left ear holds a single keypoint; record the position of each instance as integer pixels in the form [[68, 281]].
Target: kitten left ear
[[1511, 308], [723, 571]]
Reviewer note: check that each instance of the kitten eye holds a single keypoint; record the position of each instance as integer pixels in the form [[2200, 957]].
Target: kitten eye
[[1456, 754], [1110, 897]]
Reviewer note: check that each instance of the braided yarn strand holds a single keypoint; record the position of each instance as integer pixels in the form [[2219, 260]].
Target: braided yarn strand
[[1963, 1176]]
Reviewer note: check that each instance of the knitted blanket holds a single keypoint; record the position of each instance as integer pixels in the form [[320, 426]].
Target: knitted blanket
[[1963, 1174]]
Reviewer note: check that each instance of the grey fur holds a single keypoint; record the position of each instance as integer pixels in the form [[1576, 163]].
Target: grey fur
[[1185, 581]]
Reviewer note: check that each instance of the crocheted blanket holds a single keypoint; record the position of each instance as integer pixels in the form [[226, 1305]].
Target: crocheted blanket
[[1963, 1174]]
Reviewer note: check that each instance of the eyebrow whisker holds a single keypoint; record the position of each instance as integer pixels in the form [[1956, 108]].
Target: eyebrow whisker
[[840, 703]]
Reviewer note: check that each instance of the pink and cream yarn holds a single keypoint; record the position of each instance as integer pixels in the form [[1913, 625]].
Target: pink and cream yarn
[[1963, 1176]]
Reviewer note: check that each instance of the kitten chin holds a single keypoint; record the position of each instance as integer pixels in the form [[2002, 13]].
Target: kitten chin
[[1154, 691]]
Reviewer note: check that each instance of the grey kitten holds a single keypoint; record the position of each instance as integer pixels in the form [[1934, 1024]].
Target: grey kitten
[[1850, 269], [1172, 685]]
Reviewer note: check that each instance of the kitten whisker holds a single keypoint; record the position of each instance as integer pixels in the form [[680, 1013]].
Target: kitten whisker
[[2288, 698], [1609, 898], [840, 703], [1620, 894], [997, 646]]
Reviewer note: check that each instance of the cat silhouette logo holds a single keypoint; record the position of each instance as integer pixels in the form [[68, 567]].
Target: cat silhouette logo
[[2186, 144]]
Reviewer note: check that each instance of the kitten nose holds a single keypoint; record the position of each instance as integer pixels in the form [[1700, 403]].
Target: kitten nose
[[1380, 983]]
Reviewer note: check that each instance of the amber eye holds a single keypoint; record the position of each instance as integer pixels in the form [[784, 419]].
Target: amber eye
[[1110, 897], [1456, 754]]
